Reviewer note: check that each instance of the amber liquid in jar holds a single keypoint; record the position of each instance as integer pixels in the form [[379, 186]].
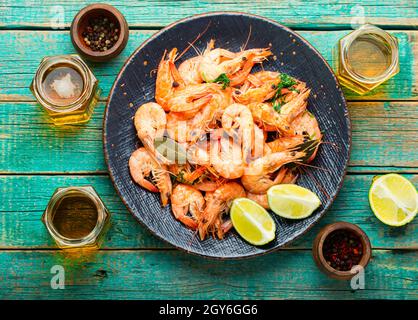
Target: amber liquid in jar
[[367, 58], [75, 217]]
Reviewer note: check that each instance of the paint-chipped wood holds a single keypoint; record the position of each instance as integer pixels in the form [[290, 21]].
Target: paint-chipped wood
[[176, 275], [294, 13], [19, 62], [25, 197]]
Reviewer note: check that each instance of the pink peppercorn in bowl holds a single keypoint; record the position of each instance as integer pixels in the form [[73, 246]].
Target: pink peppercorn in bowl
[[99, 32], [340, 249]]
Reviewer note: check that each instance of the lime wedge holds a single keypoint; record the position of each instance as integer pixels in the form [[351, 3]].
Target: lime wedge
[[393, 199], [292, 201], [252, 221]]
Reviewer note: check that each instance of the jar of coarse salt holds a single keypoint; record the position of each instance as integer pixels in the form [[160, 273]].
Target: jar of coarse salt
[[66, 88]]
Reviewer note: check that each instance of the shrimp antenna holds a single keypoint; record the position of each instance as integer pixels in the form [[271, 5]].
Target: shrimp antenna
[[316, 182], [193, 42], [248, 39]]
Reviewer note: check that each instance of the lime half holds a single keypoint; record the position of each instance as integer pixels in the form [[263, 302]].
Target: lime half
[[393, 199], [291, 201], [252, 221]]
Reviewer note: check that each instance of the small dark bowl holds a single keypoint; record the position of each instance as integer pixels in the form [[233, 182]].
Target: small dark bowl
[[317, 249], [80, 23]]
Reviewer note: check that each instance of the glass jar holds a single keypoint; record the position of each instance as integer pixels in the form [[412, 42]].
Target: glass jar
[[66, 88], [76, 217], [367, 57]]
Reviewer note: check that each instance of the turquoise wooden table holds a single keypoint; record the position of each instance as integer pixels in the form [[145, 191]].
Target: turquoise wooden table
[[36, 158]]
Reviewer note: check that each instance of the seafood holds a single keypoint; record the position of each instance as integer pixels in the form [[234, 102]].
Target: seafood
[[268, 119], [185, 199], [150, 121], [142, 165], [236, 134], [191, 98], [237, 119], [216, 204], [189, 71], [257, 177], [168, 79], [261, 199], [226, 158], [236, 66]]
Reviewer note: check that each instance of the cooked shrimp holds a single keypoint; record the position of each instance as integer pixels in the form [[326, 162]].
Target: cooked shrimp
[[150, 121], [296, 106], [187, 199], [191, 98], [226, 158], [286, 143], [189, 70], [237, 118], [259, 94], [142, 165], [261, 199], [269, 119], [307, 125], [236, 66], [257, 176], [216, 204], [168, 79], [182, 129]]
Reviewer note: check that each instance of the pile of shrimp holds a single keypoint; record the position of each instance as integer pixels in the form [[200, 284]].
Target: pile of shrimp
[[243, 132]]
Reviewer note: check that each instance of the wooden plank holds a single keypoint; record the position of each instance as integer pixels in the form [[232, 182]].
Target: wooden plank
[[175, 275], [384, 135], [318, 14], [24, 198], [19, 63]]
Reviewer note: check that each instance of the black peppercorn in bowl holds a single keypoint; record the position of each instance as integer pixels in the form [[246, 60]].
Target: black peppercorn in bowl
[[340, 249], [99, 32]]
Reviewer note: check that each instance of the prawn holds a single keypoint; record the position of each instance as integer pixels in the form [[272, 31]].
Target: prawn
[[191, 98], [189, 70], [186, 199], [217, 203], [257, 176], [237, 118], [226, 158], [269, 119], [168, 79], [150, 121], [306, 125], [142, 165], [261, 199]]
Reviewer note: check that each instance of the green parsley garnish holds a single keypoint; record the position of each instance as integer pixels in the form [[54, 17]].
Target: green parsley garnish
[[286, 81], [223, 79]]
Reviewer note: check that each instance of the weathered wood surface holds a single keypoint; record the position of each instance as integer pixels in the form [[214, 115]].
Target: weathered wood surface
[[384, 135], [176, 275], [25, 197], [36, 157], [19, 63], [151, 13]]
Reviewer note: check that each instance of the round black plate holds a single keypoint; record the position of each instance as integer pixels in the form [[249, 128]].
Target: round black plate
[[135, 85]]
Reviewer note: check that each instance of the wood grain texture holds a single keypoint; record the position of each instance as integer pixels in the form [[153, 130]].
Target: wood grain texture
[[24, 198], [175, 275], [384, 140], [146, 13], [19, 63]]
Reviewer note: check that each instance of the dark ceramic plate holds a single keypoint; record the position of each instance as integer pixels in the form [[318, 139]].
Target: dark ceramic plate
[[136, 82]]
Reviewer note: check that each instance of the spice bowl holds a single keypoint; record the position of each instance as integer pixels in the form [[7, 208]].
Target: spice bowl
[[99, 32], [341, 240]]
